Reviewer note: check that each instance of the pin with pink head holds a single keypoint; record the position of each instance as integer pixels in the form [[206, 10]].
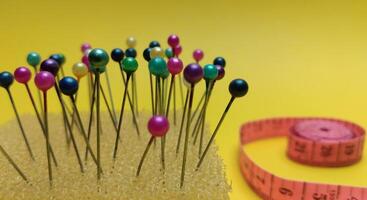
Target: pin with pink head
[[158, 126], [44, 80], [198, 55], [22, 75], [173, 40], [174, 66], [85, 46]]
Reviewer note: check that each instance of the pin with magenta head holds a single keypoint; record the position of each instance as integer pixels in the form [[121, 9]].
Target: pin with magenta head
[[175, 67], [129, 66], [6, 80], [237, 88], [44, 80], [174, 42], [23, 75], [158, 126], [193, 73], [198, 55], [85, 46], [98, 59]]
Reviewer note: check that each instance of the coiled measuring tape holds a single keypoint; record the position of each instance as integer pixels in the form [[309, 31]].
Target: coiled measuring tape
[[311, 141]]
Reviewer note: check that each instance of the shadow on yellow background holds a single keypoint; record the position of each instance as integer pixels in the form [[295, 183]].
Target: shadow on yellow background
[[300, 58]]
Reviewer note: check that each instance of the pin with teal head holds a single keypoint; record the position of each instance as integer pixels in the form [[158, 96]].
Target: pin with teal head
[[237, 88], [34, 59], [98, 59], [129, 66]]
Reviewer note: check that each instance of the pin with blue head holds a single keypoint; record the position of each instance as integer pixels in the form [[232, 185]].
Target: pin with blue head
[[129, 66], [237, 88], [193, 73], [69, 87], [98, 59], [6, 80], [44, 80], [158, 126]]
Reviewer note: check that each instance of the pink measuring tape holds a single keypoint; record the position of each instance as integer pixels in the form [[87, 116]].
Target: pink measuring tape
[[311, 141]]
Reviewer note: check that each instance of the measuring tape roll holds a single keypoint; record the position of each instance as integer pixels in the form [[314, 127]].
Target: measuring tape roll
[[313, 141]]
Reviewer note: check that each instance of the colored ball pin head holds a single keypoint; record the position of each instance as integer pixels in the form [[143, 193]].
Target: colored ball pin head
[[177, 50], [117, 54], [221, 72], [146, 54], [130, 52], [238, 88], [85, 47], [68, 85], [193, 73], [98, 59], [158, 126], [85, 60], [157, 66], [6, 79], [22, 75], [169, 52], [59, 58], [153, 44], [198, 55], [131, 42], [44, 80], [156, 52], [174, 66], [50, 65], [33, 59], [80, 70], [210, 72], [219, 61], [129, 65], [173, 40]]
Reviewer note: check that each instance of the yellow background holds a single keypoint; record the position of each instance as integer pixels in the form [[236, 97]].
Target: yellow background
[[299, 57]]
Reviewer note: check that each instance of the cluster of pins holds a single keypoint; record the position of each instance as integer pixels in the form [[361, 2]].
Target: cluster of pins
[[162, 64]]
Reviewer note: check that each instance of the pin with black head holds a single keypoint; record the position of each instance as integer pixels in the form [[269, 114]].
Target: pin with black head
[[60, 59], [117, 55], [98, 59], [6, 80], [193, 73], [23, 75], [69, 87], [146, 55], [131, 52], [129, 66], [237, 88], [158, 126], [154, 43], [44, 80], [219, 61], [34, 59]]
